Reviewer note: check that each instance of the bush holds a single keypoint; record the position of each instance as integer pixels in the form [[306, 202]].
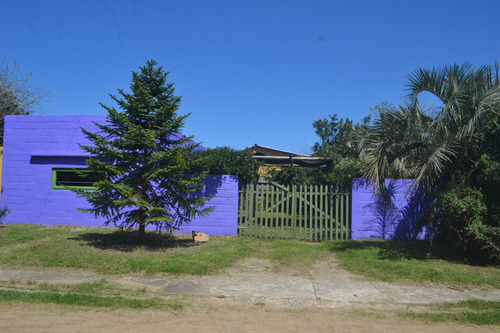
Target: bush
[[464, 214], [294, 176], [339, 173], [226, 161], [4, 211]]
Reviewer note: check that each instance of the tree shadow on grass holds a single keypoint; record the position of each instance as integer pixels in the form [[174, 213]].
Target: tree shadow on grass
[[396, 249], [127, 241]]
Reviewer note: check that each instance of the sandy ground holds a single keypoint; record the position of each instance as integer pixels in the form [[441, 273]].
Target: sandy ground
[[212, 318]]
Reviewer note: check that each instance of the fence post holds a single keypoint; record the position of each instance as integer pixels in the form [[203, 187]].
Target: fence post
[[281, 197], [294, 210], [241, 226], [251, 209], [300, 217], [348, 214], [331, 220]]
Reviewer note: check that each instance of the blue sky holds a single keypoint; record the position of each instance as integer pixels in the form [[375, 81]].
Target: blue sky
[[248, 71]]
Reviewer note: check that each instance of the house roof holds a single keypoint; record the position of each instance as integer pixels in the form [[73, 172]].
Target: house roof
[[276, 157], [266, 151]]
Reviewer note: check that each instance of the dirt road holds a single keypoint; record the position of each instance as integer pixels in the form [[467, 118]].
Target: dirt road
[[213, 317]]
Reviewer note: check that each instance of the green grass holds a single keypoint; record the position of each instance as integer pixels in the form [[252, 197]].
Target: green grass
[[23, 233], [473, 304], [100, 287], [476, 312], [410, 261], [464, 317], [112, 251], [88, 300]]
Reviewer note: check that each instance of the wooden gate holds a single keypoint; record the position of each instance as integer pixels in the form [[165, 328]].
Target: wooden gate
[[312, 213]]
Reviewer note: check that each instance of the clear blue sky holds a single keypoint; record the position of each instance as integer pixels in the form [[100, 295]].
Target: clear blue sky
[[248, 71]]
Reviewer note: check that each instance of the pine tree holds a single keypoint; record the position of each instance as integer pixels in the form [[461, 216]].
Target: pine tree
[[140, 157]]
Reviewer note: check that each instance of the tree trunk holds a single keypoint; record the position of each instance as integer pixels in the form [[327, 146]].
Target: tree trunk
[[142, 233]]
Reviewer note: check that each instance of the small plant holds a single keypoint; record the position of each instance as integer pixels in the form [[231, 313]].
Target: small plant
[[4, 211]]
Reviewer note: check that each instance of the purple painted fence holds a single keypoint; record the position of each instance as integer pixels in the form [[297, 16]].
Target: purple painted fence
[[393, 216], [34, 145]]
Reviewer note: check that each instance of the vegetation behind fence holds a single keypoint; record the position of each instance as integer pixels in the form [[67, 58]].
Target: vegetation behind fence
[[306, 212]]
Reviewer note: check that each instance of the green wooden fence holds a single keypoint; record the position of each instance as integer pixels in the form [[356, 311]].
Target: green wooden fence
[[312, 213]]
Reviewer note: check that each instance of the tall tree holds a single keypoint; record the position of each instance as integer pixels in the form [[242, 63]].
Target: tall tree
[[451, 151], [339, 138], [16, 96], [409, 141], [140, 154]]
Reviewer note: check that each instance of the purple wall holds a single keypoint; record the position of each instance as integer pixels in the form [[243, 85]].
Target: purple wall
[[395, 215], [33, 145]]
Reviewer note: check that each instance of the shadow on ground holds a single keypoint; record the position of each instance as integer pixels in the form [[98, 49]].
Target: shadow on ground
[[400, 249], [127, 241]]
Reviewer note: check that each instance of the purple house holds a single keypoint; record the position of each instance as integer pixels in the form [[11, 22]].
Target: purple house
[[38, 150]]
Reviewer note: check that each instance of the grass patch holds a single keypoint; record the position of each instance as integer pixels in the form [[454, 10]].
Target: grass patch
[[410, 261], [475, 312], [112, 251], [464, 317], [88, 300], [473, 304], [23, 233], [100, 286]]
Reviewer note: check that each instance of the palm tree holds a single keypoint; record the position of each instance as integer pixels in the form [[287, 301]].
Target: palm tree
[[430, 145], [450, 150]]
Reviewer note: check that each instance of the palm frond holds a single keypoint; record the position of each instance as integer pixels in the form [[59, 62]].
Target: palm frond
[[405, 141]]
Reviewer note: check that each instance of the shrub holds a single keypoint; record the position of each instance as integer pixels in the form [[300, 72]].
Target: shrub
[[226, 161], [4, 211], [463, 212]]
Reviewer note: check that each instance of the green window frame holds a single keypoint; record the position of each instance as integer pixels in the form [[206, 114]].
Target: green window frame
[[62, 179]]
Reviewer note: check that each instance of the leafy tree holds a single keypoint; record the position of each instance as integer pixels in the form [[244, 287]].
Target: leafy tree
[[339, 138], [16, 96], [341, 141], [140, 154], [226, 161], [451, 150], [340, 172]]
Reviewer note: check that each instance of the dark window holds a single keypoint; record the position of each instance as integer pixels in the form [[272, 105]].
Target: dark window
[[62, 178]]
